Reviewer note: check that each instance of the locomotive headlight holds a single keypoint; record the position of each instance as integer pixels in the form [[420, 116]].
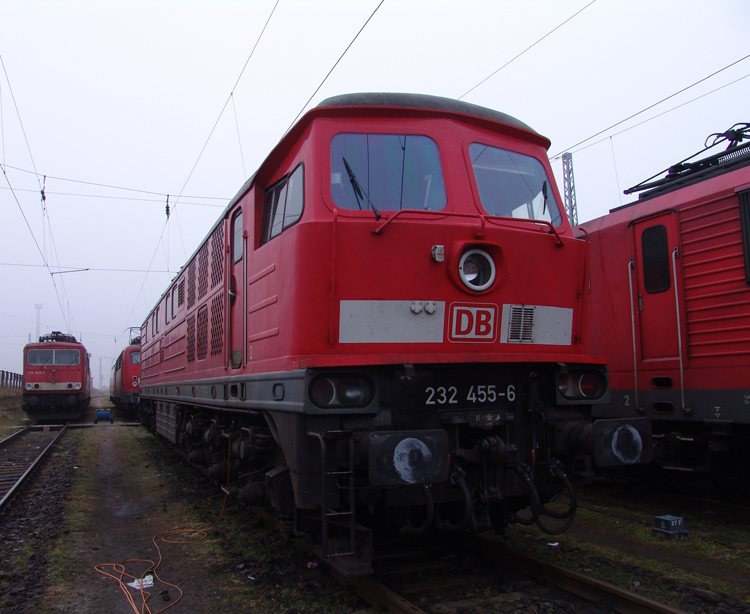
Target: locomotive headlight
[[77, 385], [476, 270], [70, 386], [581, 385], [135, 384], [340, 391], [28, 386]]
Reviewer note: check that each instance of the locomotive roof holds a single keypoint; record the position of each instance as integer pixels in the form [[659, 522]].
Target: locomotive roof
[[371, 99], [422, 101], [685, 173]]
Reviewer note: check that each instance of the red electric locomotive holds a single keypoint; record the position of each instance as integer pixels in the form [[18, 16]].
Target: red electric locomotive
[[56, 378], [125, 379], [671, 309], [386, 327]]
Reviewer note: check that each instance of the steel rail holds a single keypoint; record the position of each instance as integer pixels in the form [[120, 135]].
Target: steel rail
[[621, 600], [8, 495], [15, 435], [374, 593]]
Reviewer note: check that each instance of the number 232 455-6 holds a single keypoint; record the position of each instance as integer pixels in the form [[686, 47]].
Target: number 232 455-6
[[476, 394]]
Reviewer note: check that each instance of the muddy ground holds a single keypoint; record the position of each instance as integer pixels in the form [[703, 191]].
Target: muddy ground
[[104, 498]]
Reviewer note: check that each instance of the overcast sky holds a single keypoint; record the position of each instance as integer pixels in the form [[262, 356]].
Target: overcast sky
[[126, 94]]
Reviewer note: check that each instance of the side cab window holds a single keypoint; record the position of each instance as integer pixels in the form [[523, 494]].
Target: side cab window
[[284, 204]]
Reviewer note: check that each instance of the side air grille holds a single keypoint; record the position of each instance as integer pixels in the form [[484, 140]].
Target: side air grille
[[191, 284], [217, 323], [521, 327], [217, 256], [191, 338], [203, 271], [202, 332]]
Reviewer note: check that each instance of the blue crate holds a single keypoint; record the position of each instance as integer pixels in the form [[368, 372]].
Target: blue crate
[[670, 525]]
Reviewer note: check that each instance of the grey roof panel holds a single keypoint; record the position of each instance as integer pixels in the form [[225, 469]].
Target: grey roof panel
[[422, 101]]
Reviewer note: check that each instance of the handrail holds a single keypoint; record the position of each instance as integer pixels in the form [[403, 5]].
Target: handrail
[[482, 218], [631, 265], [675, 255]]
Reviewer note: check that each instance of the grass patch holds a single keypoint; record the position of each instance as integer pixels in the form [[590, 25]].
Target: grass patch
[[660, 580], [10, 411]]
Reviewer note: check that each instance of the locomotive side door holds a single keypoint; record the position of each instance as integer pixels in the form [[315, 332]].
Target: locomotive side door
[[236, 289], [656, 239]]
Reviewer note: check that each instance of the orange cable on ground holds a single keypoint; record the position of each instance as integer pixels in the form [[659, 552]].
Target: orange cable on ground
[[119, 568]]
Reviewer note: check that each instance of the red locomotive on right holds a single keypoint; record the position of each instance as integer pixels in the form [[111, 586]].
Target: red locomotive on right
[[670, 289]]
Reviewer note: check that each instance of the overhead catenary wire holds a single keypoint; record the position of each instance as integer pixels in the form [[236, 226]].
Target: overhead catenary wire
[[317, 89], [200, 154], [525, 50], [45, 215], [224, 108], [109, 186], [645, 121], [651, 106], [125, 198], [41, 253]]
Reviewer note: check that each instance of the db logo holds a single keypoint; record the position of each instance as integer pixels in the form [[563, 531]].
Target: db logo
[[469, 322]]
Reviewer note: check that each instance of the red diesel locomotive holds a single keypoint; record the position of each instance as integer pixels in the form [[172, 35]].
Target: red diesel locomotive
[[671, 310], [386, 327], [56, 378], [125, 379]]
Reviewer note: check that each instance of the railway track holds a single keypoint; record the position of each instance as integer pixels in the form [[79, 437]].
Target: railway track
[[473, 574], [464, 572], [21, 454]]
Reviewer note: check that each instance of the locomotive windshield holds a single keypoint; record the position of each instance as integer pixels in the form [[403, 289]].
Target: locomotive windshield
[[64, 358], [135, 358], [395, 171], [513, 185]]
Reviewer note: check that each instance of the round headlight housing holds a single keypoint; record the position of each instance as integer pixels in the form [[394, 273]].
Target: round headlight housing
[[340, 391], [476, 270], [580, 386]]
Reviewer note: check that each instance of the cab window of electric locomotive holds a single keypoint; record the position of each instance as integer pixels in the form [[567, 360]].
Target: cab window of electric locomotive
[[38, 358], [389, 171], [513, 184], [67, 358], [135, 358]]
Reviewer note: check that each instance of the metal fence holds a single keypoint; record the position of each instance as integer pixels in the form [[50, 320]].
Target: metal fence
[[10, 380]]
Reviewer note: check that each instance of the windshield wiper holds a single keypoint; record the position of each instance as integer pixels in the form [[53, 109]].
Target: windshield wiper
[[359, 190], [544, 193]]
